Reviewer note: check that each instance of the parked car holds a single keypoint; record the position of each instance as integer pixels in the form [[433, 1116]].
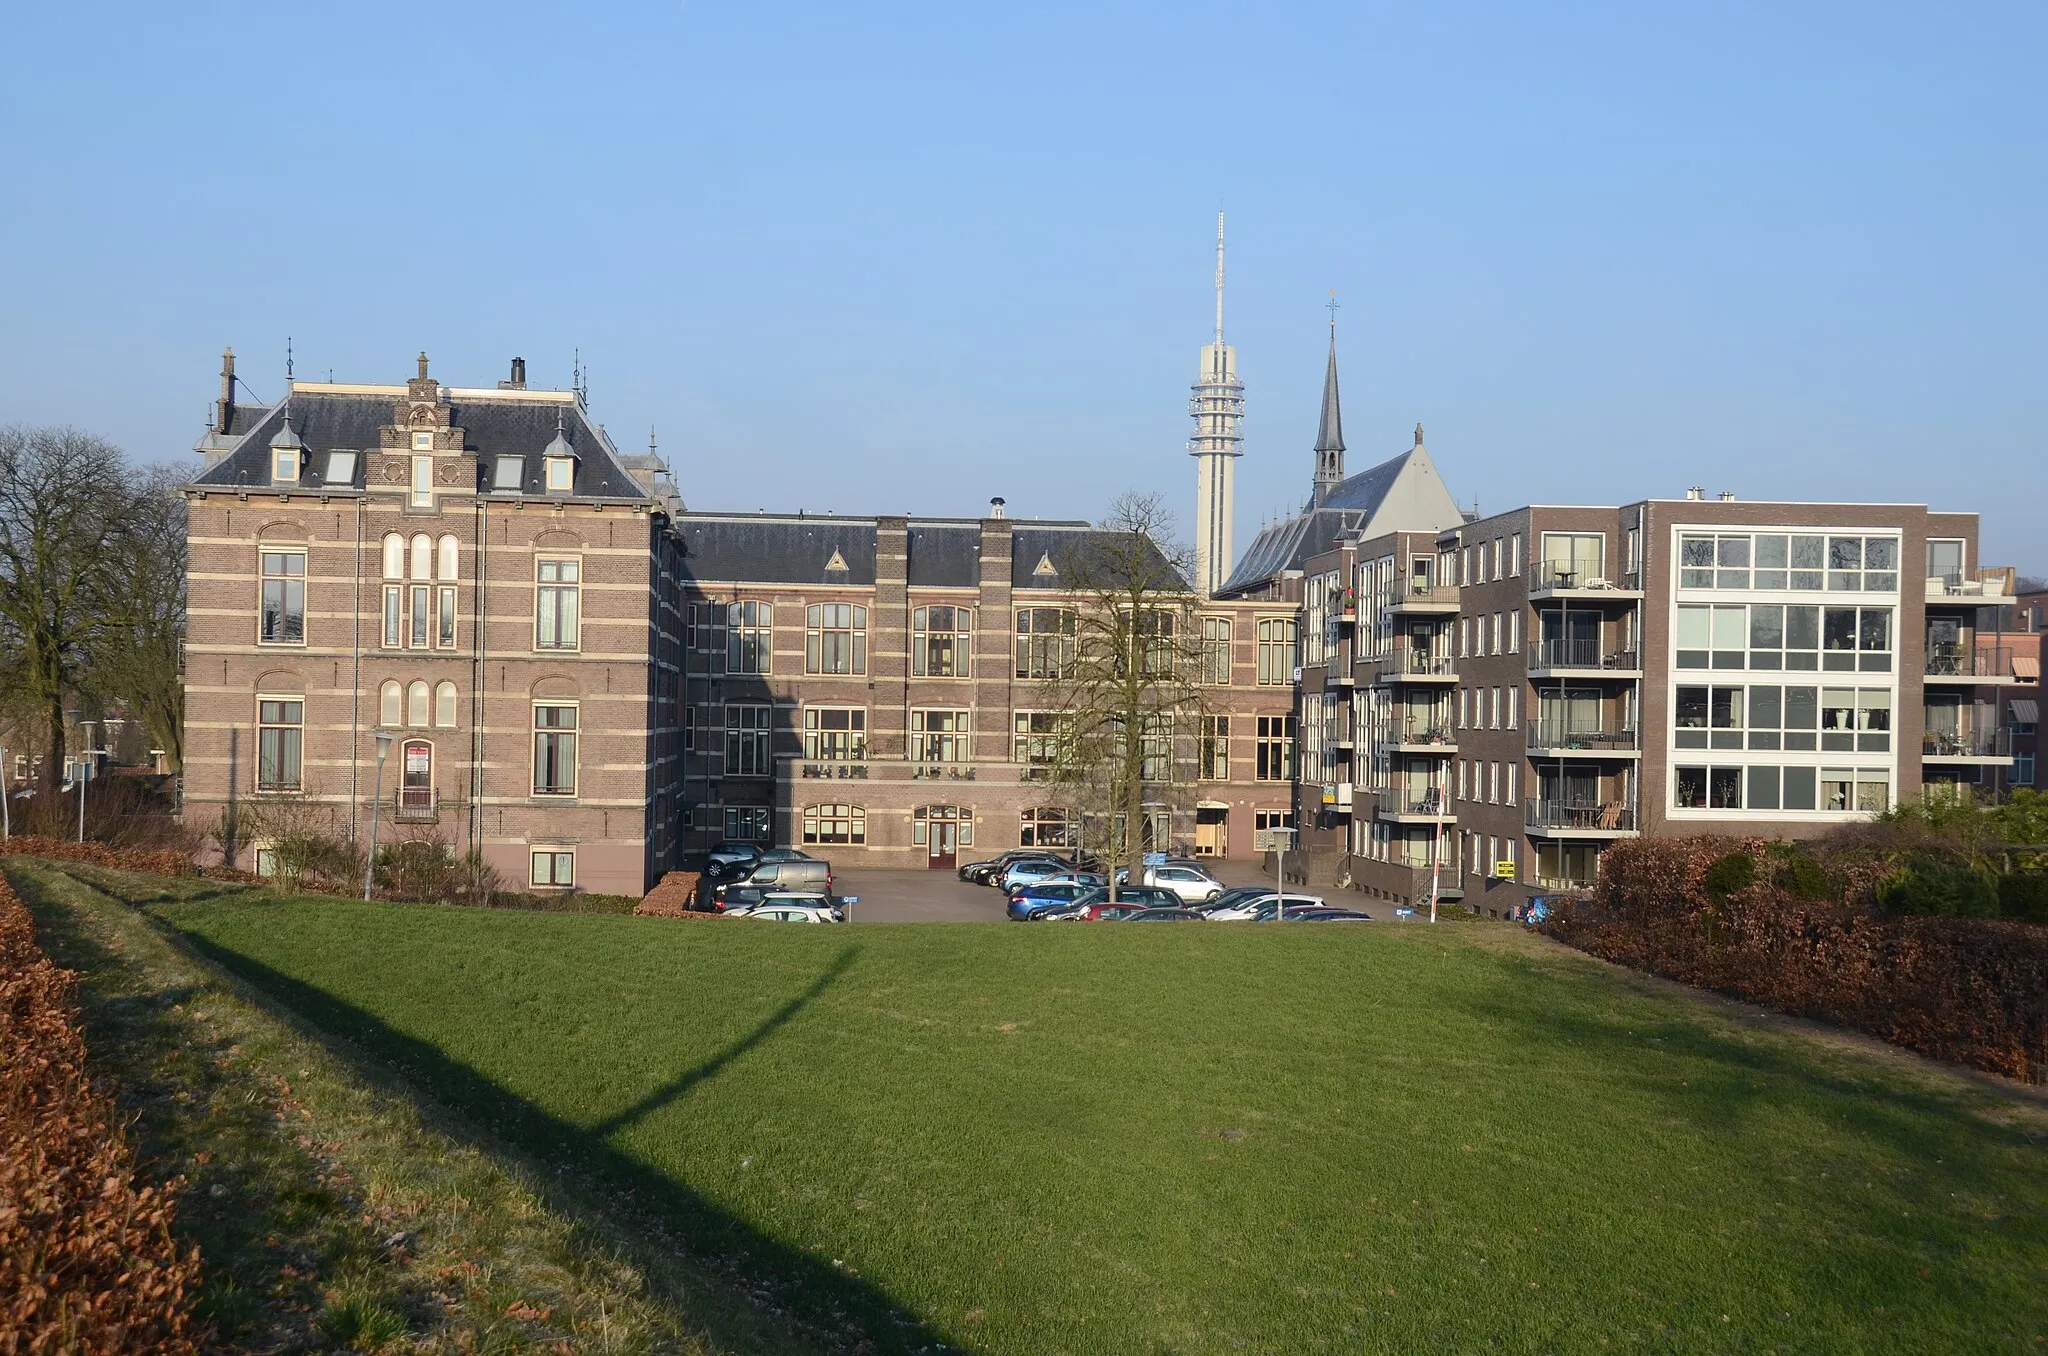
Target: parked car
[[808, 875], [793, 909], [1025, 902], [728, 860], [1029, 871], [1261, 907], [1329, 916], [786, 855], [1192, 884], [1088, 878], [1102, 911], [979, 873], [1235, 894], [1091, 907], [1163, 916]]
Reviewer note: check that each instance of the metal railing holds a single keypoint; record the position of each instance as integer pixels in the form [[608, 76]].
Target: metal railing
[[1580, 654], [1563, 735], [1425, 665], [1549, 574], [1423, 591], [1422, 734], [1967, 744], [1964, 661], [1610, 817]]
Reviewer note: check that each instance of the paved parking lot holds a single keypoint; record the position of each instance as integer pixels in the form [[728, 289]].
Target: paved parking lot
[[942, 897]]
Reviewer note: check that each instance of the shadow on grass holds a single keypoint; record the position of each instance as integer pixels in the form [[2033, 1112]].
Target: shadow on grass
[[824, 1297]]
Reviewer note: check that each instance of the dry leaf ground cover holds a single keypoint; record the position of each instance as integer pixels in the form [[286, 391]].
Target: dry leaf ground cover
[[1111, 1139]]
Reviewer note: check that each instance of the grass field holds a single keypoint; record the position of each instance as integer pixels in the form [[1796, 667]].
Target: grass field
[[1110, 1139]]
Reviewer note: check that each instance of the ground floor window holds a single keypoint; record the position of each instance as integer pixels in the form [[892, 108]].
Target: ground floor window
[[1272, 819], [266, 860], [1047, 827], [746, 823], [1828, 790], [955, 821], [281, 729], [835, 824], [554, 866]]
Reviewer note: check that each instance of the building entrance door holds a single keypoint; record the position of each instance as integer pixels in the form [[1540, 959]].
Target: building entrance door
[[1212, 831], [942, 830]]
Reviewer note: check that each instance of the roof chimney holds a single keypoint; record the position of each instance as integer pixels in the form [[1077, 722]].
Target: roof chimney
[[1727, 496], [1696, 492], [995, 507], [224, 408], [518, 381]]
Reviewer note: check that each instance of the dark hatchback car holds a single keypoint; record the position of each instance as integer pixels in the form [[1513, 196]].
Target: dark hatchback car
[[1166, 916], [978, 873], [1094, 906]]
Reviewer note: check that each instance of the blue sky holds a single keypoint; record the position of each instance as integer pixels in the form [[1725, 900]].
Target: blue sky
[[903, 258]]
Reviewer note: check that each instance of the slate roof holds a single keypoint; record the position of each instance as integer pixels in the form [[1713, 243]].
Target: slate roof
[[766, 548], [328, 421], [1348, 507]]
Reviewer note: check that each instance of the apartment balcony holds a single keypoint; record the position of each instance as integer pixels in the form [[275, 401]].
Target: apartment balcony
[[1434, 740], [1955, 591], [1582, 659], [1412, 666], [1552, 740], [413, 805], [1425, 600], [1966, 748], [1968, 666], [1396, 807], [1548, 580], [1547, 819], [1340, 678]]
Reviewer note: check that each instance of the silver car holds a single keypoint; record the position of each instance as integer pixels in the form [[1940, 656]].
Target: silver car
[[1194, 886]]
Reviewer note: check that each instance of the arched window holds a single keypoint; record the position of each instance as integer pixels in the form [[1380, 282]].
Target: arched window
[[394, 557], [444, 705], [835, 824], [389, 703], [422, 558], [449, 551], [416, 776], [416, 705]]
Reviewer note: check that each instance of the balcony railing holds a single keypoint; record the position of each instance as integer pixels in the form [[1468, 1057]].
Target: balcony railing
[[1549, 575], [1610, 817], [1422, 591], [1967, 744], [1417, 664], [1422, 734], [1963, 661], [1580, 654], [1562, 735], [1955, 586]]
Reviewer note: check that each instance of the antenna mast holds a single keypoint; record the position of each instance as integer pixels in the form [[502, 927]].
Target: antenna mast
[[1219, 280]]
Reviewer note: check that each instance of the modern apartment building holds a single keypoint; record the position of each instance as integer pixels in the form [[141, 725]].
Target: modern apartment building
[[474, 580], [1498, 703], [879, 688]]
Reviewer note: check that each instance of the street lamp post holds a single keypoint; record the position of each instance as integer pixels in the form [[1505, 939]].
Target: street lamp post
[[84, 771], [6, 791], [370, 862], [1280, 837]]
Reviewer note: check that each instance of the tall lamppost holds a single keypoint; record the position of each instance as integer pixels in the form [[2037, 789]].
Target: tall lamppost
[[84, 772], [370, 862], [6, 792]]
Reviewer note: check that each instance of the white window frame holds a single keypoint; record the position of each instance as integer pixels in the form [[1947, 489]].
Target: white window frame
[[573, 731], [263, 727], [422, 483], [548, 623], [285, 581]]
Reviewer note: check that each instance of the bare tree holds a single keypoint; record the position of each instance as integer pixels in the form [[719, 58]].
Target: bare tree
[[136, 654], [64, 502], [1127, 686]]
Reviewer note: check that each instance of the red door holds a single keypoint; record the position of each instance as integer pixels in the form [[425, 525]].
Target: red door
[[942, 829]]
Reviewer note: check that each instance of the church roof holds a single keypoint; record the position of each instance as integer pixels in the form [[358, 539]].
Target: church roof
[[1358, 505], [1330, 431]]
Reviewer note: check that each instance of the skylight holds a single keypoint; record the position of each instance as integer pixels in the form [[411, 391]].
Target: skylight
[[341, 468], [509, 473]]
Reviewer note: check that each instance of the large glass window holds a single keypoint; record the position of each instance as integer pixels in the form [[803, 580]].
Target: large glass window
[[835, 824], [554, 750], [1772, 636], [558, 604], [940, 641], [747, 823], [416, 775], [1213, 756], [1788, 561], [1045, 641], [1216, 651], [1038, 738], [1046, 827], [836, 733], [1275, 748], [749, 637], [284, 598], [939, 736], [748, 750], [1572, 558], [1276, 651], [280, 736], [835, 638]]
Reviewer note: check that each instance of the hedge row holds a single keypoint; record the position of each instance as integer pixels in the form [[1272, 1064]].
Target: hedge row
[[158, 861], [1970, 990], [87, 1261]]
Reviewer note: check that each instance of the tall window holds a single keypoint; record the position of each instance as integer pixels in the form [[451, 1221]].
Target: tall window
[[1216, 651], [1276, 748], [1037, 741], [390, 704], [394, 591], [422, 482], [416, 775], [447, 557], [748, 751], [939, 736], [1571, 557], [1215, 749], [417, 711], [280, 734], [835, 638], [1276, 651], [558, 604], [835, 733], [1045, 827], [1155, 749], [749, 637], [1045, 641], [746, 823], [444, 705], [554, 750], [939, 641], [284, 598], [835, 824], [1155, 638]]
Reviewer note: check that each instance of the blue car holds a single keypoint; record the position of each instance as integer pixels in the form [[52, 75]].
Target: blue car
[[1029, 900]]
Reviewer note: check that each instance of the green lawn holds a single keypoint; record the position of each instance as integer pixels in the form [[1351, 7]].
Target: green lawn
[[1128, 1139]]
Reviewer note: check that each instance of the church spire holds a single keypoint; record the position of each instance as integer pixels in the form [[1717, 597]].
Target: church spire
[[1329, 447]]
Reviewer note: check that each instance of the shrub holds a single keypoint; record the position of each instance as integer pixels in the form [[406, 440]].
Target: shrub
[[1736, 871], [87, 1260], [1928, 887], [159, 861], [2024, 897]]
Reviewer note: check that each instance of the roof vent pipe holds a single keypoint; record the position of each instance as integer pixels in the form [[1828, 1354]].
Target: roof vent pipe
[[1696, 492], [1727, 496], [995, 507]]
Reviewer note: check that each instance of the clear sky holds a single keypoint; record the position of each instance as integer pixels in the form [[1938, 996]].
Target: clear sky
[[903, 258]]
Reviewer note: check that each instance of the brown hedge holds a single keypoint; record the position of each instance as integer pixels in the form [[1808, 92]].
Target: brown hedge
[[158, 861], [87, 1261], [1972, 991]]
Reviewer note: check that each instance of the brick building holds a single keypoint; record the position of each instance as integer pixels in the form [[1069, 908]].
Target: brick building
[[875, 688], [478, 577]]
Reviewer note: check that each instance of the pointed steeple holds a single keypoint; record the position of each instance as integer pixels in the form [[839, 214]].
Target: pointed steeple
[[1329, 447]]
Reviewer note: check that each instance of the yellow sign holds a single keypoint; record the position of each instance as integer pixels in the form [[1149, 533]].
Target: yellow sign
[[1504, 870]]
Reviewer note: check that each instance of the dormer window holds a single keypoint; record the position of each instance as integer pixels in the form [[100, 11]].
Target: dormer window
[[509, 473], [284, 464], [422, 442], [561, 474]]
